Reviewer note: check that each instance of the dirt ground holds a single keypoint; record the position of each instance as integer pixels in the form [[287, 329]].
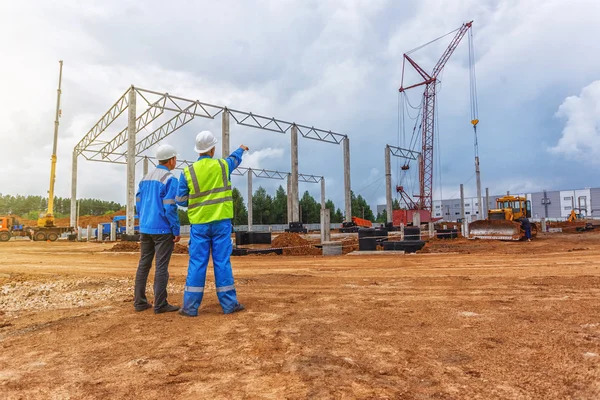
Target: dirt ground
[[461, 320]]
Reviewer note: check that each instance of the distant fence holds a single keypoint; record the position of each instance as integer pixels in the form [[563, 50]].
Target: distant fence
[[185, 229]]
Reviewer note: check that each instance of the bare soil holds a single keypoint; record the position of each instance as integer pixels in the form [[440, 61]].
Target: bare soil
[[459, 320]]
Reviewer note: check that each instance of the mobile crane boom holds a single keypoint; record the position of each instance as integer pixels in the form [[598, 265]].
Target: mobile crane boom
[[48, 219]]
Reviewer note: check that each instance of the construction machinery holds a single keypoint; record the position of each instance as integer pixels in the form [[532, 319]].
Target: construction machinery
[[45, 229], [502, 222], [11, 227], [426, 124], [120, 230], [355, 225], [574, 216]]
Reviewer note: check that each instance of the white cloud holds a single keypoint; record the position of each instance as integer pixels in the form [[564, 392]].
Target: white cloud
[[256, 159], [580, 138]]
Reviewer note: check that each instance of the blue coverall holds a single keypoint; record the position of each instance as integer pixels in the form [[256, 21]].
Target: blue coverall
[[204, 238]]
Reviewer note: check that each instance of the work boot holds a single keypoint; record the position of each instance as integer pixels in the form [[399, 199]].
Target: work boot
[[143, 307], [238, 307], [167, 308], [184, 314]]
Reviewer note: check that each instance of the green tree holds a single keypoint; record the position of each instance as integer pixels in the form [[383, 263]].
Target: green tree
[[395, 204], [360, 207], [338, 218], [279, 214], [240, 212], [382, 217], [261, 206], [310, 209]]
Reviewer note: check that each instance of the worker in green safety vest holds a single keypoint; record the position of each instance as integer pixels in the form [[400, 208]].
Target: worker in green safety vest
[[205, 189]]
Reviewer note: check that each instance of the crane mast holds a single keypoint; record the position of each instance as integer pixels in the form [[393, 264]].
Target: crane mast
[[425, 196], [48, 219]]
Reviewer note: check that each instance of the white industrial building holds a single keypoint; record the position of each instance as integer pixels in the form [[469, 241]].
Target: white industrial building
[[548, 204]]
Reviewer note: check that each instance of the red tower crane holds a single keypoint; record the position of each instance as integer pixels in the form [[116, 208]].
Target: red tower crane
[[425, 196]]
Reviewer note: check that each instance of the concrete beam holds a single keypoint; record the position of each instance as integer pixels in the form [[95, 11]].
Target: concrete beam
[[322, 193], [249, 199], [73, 215], [388, 184], [347, 197], [294, 188], [225, 134], [131, 128], [462, 201], [289, 198], [325, 227], [145, 166]]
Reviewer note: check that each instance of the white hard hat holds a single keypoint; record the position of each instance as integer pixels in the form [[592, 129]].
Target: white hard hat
[[165, 152], [205, 141]]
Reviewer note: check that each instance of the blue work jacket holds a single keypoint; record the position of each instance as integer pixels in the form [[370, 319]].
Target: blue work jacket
[[155, 202]]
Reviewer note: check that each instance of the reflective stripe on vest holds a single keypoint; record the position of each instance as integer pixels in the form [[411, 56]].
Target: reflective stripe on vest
[[210, 197]]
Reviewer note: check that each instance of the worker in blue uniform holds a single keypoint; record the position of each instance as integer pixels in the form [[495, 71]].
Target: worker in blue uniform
[[205, 189], [159, 230]]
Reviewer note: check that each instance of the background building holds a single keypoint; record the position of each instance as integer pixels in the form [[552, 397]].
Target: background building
[[549, 204]]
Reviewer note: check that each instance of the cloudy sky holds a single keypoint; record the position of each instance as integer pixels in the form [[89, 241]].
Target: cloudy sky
[[332, 64]]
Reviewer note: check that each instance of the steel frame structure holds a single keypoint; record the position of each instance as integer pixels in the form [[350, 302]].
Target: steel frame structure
[[401, 153], [185, 110]]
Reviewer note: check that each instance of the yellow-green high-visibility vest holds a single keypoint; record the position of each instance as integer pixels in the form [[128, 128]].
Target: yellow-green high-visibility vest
[[210, 196]]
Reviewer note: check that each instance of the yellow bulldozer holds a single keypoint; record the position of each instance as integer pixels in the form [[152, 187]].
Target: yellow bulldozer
[[502, 223]]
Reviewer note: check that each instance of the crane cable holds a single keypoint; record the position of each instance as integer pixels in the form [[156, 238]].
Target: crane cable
[[473, 91]]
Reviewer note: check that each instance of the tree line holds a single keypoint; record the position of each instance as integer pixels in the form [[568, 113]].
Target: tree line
[[29, 207], [266, 209]]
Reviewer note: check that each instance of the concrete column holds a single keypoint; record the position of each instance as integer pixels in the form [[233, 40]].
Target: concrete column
[[322, 192], [478, 179], [113, 231], [347, 197], [73, 215], [543, 224], [145, 166], [401, 231], [294, 187], [462, 201], [79, 234], [289, 198], [131, 128], [90, 233], [487, 202], [100, 234], [431, 230], [249, 199], [416, 218], [465, 229], [388, 184], [325, 227], [225, 133]]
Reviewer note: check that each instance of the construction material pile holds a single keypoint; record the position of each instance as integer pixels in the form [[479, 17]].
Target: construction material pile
[[294, 245], [135, 247]]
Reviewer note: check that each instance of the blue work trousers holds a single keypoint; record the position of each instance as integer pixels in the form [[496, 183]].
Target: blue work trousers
[[215, 238]]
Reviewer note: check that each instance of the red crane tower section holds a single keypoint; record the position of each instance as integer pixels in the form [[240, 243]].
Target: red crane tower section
[[428, 117]]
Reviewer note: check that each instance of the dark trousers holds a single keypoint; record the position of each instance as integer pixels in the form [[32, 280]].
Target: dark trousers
[[161, 246]]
